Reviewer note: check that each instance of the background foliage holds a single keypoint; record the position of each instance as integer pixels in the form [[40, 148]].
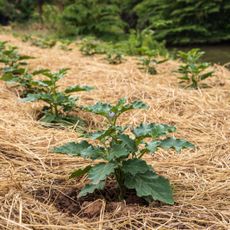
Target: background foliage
[[177, 22]]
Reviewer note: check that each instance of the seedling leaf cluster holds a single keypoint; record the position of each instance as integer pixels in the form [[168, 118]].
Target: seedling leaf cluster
[[192, 70], [120, 151]]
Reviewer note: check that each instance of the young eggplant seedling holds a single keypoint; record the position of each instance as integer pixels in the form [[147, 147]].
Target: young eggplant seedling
[[121, 152], [59, 102], [15, 68], [192, 70]]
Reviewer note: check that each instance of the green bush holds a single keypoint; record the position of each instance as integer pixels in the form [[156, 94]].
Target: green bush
[[186, 21], [92, 17]]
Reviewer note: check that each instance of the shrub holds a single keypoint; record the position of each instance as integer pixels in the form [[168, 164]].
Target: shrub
[[120, 153], [91, 17], [185, 21], [142, 43]]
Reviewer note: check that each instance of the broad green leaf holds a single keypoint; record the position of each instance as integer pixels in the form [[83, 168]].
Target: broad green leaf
[[121, 107], [128, 142], [61, 119], [152, 146], [101, 134], [31, 98], [72, 148], [177, 144], [93, 153], [117, 151], [153, 130], [206, 75], [78, 88], [149, 184], [40, 71], [80, 172], [135, 166], [100, 172], [8, 77], [90, 188], [103, 109]]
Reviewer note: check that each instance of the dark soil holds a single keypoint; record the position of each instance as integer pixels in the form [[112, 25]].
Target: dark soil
[[89, 206]]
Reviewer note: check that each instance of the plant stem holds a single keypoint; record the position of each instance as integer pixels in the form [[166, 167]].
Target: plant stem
[[119, 179]]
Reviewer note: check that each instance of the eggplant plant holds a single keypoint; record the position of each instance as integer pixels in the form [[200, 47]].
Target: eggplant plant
[[120, 151], [59, 102], [11, 58], [192, 70], [148, 64], [15, 68], [114, 57], [91, 46]]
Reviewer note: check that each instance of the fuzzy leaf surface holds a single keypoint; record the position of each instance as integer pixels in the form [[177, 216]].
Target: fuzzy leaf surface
[[117, 151], [72, 148], [177, 144], [78, 88], [135, 166], [128, 142], [100, 172], [153, 130], [149, 184]]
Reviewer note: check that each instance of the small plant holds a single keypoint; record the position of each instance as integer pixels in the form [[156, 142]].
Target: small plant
[[43, 42], [192, 70], [15, 70], [148, 64], [120, 152], [59, 102], [91, 46], [11, 58], [114, 57]]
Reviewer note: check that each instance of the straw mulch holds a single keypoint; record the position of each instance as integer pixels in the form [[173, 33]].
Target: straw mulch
[[33, 180]]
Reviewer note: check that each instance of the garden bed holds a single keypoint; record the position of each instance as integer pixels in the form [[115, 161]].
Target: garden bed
[[35, 192]]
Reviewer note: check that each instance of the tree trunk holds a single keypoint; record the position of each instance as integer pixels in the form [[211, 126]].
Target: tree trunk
[[40, 9]]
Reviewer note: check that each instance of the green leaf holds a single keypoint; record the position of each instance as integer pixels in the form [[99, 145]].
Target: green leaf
[[152, 146], [100, 172], [128, 142], [90, 188], [99, 108], [121, 107], [117, 151], [149, 184], [177, 144], [206, 75], [135, 166], [153, 130], [40, 71], [72, 148], [101, 134], [78, 88], [9, 77], [31, 98], [80, 172], [93, 153]]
